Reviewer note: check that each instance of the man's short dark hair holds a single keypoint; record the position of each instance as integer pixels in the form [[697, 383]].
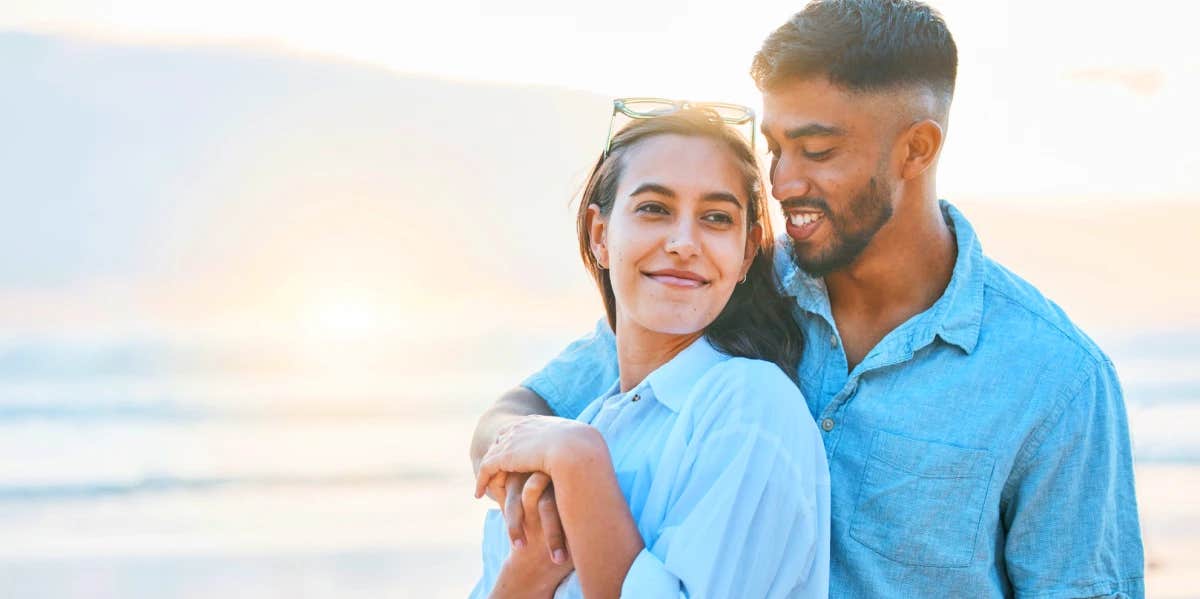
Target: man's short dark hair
[[861, 45]]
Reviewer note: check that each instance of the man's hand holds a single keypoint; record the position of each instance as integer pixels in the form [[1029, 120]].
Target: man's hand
[[524, 498], [529, 508], [530, 570]]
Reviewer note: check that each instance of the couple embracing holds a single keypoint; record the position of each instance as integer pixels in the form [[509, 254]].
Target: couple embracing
[[868, 406]]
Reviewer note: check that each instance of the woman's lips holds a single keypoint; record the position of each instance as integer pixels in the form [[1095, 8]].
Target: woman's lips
[[802, 225], [678, 278]]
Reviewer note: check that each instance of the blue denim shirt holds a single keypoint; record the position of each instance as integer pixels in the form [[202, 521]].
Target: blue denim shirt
[[981, 449]]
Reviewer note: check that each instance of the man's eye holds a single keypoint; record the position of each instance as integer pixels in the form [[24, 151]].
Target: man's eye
[[822, 155]]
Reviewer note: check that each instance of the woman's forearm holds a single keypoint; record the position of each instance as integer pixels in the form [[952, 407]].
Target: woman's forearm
[[517, 582], [513, 405], [600, 530]]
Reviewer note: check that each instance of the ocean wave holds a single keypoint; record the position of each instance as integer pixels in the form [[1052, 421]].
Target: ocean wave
[[89, 490]]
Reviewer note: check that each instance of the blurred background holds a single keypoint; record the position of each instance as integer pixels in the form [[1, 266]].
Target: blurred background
[[265, 262]]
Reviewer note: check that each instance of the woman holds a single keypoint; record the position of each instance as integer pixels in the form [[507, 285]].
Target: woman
[[700, 472]]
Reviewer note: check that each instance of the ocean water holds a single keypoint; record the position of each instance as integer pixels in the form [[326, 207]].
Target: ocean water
[[128, 482]]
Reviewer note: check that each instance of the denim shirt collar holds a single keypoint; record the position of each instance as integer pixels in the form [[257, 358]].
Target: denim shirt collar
[[956, 316]]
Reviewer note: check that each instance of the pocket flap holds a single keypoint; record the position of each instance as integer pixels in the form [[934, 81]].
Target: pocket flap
[[929, 459]]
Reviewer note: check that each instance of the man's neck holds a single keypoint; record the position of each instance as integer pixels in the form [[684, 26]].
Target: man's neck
[[641, 351], [903, 272]]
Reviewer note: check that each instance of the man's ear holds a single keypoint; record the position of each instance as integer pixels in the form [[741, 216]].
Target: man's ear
[[753, 241], [920, 146], [597, 234]]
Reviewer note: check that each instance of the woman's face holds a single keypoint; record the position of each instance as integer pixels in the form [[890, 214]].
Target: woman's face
[[675, 242]]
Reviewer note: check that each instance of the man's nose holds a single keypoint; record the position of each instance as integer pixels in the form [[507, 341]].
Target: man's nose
[[788, 180], [681, 240]]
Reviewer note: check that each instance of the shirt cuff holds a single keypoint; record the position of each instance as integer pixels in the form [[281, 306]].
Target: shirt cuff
[[545, 388], [1130, 588], [648, 577]]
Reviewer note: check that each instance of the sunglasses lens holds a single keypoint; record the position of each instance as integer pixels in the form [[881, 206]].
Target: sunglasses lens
[[730, 113], [648, 108]]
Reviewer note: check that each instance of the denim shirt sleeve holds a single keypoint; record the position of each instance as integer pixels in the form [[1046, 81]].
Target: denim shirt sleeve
[[1070, 512], [578, 375]]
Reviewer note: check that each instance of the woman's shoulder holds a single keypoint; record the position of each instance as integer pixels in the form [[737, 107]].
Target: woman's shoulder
[[751, 392]]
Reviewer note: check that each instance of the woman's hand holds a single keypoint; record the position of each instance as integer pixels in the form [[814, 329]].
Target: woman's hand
[[536, 444]]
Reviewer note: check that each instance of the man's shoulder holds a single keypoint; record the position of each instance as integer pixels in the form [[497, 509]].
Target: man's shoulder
[[1025, 315]]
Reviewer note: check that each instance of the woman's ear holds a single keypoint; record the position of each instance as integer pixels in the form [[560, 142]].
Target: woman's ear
[[597, 232], [753, 241]]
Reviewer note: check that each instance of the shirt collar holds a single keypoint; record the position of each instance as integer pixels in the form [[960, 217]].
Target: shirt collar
[[672, 383], [955, 318]]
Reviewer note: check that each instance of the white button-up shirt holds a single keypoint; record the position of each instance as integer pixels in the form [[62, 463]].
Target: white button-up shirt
[[724, 471]]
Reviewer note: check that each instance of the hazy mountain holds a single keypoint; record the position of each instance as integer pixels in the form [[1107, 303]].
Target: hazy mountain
[[114, 151], [149, 189]]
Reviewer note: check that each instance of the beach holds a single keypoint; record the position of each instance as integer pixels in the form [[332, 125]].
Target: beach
[[353, 498]]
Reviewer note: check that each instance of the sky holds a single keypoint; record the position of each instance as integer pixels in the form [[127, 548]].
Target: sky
[[1073, 98], [680, 48], [1056, 101]]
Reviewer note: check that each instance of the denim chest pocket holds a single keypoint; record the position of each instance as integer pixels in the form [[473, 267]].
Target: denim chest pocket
[[920, 502]]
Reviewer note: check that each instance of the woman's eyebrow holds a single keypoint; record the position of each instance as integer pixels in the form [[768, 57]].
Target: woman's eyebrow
[[722, 196], [663, 190], [658, 188]]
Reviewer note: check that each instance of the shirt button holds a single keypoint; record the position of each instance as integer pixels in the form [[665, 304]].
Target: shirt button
[[833, 340], [827, 424], [636, 397]]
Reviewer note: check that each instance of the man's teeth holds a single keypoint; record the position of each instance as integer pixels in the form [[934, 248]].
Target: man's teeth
[[804, 218]]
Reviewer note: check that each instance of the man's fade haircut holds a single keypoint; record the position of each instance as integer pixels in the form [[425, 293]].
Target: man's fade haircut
[[862, 46]]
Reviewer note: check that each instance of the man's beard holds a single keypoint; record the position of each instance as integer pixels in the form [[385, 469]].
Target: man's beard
[[852, 230]]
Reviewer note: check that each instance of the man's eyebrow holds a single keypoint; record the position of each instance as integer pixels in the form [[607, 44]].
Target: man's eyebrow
[[813, 130]]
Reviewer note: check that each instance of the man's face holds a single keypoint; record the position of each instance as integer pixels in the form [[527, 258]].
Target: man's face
[[830, 153]]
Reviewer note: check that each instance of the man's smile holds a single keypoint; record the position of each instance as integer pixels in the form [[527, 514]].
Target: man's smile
[[802, 224]]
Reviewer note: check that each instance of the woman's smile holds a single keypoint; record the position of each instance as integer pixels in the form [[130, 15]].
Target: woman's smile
[[681, 279]]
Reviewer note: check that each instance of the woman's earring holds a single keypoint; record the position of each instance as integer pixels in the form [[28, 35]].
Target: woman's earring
[[743, 278]]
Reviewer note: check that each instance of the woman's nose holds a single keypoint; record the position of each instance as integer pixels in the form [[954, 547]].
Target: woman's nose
[[682, 240]]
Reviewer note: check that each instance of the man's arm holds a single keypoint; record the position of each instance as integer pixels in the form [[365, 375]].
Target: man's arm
[[563, 387], [1069, 509], [512, 406], [526, 499]]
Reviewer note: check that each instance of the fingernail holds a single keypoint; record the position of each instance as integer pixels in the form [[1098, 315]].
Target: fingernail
[[519, 543], [560, 556]]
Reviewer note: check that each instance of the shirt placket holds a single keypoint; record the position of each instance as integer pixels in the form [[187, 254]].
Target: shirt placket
[[832, 420], [834, 388]]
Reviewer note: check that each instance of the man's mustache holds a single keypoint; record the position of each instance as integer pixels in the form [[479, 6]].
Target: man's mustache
[[808, 203]]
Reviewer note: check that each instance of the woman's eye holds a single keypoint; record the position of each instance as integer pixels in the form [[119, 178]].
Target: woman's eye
[[719, 217], [822, 155], [652, 209]]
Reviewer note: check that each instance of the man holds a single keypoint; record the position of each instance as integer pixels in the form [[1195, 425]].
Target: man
[[977, 440]]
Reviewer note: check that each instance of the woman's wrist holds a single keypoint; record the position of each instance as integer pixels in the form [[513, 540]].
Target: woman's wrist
[[519, 581], [580, 448]]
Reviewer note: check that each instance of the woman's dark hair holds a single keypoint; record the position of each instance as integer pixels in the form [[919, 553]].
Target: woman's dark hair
[[757, 322]]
